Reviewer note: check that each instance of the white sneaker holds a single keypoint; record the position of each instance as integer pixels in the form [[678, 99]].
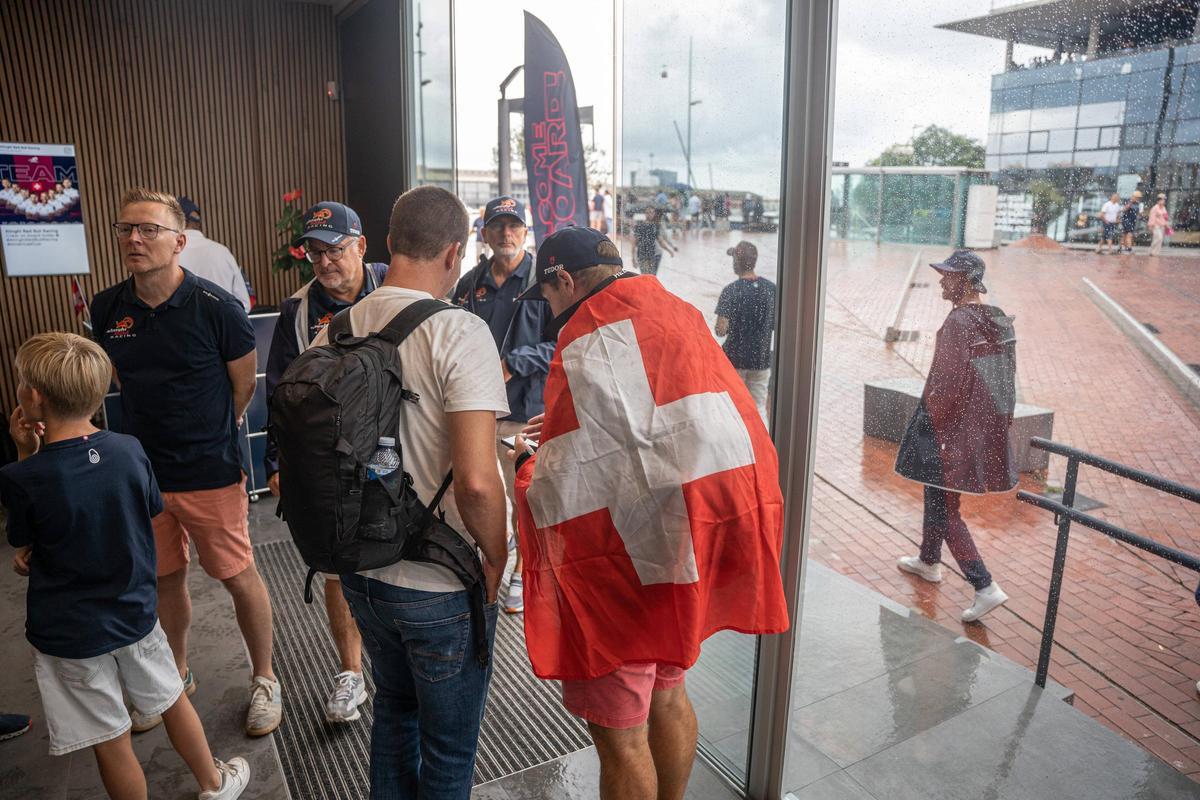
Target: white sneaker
[[514, 602], [235, 777], [266, 706], [915, 566], [987, 599], [349, 692]]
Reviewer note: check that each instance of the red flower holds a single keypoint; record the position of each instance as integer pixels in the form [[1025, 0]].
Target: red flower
[[297, 253], [293, 195]]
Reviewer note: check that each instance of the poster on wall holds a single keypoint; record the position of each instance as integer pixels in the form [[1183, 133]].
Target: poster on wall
[[41, 220]]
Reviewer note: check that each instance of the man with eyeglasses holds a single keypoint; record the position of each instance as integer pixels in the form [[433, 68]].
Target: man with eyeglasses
[[183, 356], [334, 244]]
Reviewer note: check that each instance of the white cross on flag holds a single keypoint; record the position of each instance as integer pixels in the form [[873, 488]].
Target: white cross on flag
[[651, 517]]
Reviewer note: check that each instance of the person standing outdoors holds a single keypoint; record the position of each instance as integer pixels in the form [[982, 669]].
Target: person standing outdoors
[[183, 356], [209, 259], [1110, 215], [596, 213], [490, 291], [1129, 217], [957, 440], [430, 679], [645, 527], [334, 244], [650, 242], [1158, 223], [746, 320]]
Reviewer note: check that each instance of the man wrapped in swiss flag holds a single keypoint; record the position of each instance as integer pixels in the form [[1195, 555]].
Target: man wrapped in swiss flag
[[651, 516]]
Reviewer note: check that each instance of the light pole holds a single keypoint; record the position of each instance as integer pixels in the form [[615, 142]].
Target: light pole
[[687, 154], [504, 136]]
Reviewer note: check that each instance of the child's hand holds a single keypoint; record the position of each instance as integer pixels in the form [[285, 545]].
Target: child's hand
[[20, 562], [25, 434]]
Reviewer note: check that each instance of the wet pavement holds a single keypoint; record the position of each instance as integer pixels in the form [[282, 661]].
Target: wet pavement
[[1129, 628]]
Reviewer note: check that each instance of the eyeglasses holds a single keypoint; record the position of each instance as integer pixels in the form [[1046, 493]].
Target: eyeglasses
[[147, 230], [314, 256]]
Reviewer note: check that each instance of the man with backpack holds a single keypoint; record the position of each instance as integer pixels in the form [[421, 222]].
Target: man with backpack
[[334, 244], [405, 373]]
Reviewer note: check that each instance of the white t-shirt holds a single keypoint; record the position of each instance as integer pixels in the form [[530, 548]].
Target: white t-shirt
[[451, 362], [213, 262], [1110, 212], [694, 204]]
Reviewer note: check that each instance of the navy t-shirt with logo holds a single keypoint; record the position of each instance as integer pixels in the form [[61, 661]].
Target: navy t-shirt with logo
[[176, 397], [749, 305], [85, 505]]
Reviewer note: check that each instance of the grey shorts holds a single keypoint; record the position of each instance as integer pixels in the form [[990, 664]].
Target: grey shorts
[[82, 697]]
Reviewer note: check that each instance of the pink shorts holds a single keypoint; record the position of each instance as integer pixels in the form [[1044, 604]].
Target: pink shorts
[[216, 520], [620, 699]]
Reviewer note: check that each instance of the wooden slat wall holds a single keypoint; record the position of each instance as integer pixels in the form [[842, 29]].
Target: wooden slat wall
[[221, 100]]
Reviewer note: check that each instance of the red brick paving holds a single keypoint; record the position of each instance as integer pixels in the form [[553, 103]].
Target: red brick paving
[[1128, 638], [1128, 635]]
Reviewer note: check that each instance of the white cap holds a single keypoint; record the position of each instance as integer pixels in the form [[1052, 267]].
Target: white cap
[[387, 441]]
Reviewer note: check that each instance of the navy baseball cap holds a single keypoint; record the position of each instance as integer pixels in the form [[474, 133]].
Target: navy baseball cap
[[191, 211], [330, 223], [571, 248], [504, 206], [966, 262]]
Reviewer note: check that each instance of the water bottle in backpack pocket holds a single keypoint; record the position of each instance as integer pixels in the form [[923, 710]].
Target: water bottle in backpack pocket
[[390, 508]]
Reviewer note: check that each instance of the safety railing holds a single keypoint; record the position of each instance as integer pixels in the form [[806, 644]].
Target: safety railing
[[1065, 514]]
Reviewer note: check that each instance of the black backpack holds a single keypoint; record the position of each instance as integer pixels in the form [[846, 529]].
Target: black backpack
[[327, 413]]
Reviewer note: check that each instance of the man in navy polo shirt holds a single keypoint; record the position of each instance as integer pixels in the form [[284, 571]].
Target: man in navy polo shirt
[[490, 291], [183, 352], [334, 244], [746, 318]]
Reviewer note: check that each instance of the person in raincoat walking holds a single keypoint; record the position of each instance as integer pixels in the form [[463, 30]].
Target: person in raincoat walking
[[957, 440]]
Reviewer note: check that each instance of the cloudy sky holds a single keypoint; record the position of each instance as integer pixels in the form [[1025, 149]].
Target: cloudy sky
[[895, 70]]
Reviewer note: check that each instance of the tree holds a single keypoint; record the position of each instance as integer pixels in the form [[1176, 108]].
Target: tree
[[1048, 203], [933, 147]]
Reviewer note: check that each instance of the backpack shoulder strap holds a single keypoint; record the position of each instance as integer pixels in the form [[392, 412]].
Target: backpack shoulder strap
[[407, 320], [339, 325]]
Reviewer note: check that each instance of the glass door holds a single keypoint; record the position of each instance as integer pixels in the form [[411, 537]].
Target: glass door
[[698, 173]]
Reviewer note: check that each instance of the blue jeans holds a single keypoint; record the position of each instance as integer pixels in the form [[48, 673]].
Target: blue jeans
[[429, 688]]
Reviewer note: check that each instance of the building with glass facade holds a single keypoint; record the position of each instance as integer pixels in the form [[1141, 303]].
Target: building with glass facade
[[1115, 108]]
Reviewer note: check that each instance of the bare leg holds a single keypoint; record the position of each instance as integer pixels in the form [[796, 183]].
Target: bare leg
[[672, 740], [346, 637], [119, 769], [253, 608], [626, 765], [175, 614], [187, 737]]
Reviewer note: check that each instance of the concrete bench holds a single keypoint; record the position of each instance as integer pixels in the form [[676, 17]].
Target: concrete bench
[[888, 405]]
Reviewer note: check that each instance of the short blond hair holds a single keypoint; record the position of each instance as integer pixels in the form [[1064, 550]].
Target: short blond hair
[[140, 194], [71, 372]]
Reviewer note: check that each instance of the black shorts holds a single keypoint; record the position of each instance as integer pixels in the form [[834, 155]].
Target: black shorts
[[1128, 225]]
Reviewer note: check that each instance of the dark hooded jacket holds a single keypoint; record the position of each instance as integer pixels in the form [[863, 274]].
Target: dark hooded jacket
[[958, 437]]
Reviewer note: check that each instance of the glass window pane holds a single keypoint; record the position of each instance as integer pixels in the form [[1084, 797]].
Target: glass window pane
[[1039, 141], [1187, 131], [1087, 138], [1062, 140], [1055, 95], [433, 93], [1054, 117], [1110, 137]]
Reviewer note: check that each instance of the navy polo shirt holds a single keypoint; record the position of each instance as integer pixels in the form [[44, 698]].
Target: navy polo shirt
[[175, 392], [85, 505], [749, 305], [497, 305]]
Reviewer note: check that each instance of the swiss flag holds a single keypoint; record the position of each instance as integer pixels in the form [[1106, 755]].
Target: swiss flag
[[651, 517]]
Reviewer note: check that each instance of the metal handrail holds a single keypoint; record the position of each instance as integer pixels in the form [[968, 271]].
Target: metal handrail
[[1065, 513]]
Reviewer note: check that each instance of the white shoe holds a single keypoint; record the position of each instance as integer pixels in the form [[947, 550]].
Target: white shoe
[[514, 602], [235, 777], [915, 566], [987, 599], [349, 692], [266, 707]]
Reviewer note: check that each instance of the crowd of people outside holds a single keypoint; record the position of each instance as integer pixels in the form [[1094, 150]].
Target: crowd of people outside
[[1119, 220], [494, 405]]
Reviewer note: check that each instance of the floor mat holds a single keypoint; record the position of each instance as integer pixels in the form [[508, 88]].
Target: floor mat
[[524, 723]]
